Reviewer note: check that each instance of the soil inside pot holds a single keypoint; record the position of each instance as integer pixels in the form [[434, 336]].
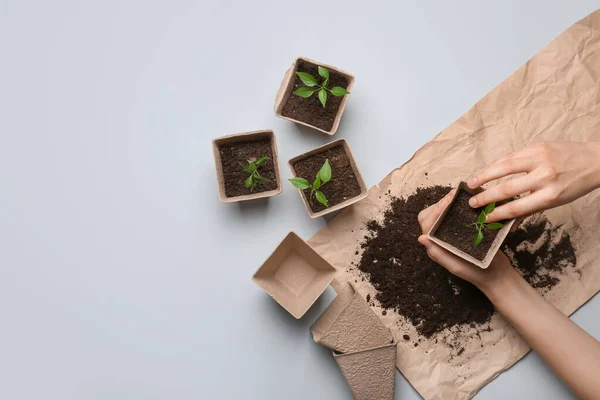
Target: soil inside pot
[[310, 110], [453, 232], [234, 176], [343, 184]]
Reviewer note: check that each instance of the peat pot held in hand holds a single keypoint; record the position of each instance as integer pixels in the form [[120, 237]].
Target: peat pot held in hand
[[294, 275], [314, 94], [463, 231], [370, 373], [349, 324], [247, 166], [328, 178]]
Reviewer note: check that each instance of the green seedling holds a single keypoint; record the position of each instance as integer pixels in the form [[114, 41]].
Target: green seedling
[[480, 224], [313, 86], [323, 176], [255, 177]]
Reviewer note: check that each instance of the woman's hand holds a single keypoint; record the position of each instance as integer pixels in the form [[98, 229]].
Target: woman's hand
[[556, 173], [572, 353], [487, 280]]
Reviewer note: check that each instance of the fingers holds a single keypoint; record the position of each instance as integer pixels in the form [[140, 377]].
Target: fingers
[[519, 208], [504, 191], [428, 216], [452, 263], [511, 164]]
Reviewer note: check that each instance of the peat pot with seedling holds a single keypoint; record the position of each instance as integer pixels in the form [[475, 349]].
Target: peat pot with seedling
[[464, 230], [247, 166], [327, 178], [314, 94]]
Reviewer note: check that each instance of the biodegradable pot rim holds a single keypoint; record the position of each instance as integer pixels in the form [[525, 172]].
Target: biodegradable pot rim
[[285, 91], [496, 244], [343, 295], [326, 282], [364, 191], [338, 354], [349, 324], [232, 138], [369, 376]]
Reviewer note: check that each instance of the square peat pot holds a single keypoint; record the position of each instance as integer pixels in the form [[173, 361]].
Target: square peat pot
[[343, 166], [309, 111], [231, 150], [370, 373], [482, 262], [349, 324], [294, 275]]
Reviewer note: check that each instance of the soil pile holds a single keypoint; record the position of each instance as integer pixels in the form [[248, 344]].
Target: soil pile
[[429, 296], [540, 252]]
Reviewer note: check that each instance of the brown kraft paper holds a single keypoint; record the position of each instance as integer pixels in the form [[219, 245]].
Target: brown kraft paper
[[555, 96]]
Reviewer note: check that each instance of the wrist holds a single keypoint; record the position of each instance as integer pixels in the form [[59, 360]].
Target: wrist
[[501, 286]]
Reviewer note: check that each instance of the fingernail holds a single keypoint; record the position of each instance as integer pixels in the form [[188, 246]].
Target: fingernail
[[473, 202], [472, 182]]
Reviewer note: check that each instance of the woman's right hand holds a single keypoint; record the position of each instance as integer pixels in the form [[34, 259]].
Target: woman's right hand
[[556, 173]]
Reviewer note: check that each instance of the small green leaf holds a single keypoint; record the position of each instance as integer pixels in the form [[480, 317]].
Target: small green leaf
[[323, 96], [325, 172], [262, 160], [489, 208], [300, 183], [317, 183], [494, 226], [246, 168], [339, 91], [307, 79], [260, 179], [325, 83], [478, 239], [321, 198], [481, 218], [304, 92], [324, 72], [248, 182], [467, 225]]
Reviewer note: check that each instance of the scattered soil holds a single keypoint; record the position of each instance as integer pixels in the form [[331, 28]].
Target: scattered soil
[[234, 176], [406, 337], [405, 277], [452, 231], [540, 252], [310, 110], [429, 296], [343, 184]]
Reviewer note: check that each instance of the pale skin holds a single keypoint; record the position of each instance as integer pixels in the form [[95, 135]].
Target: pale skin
[[555, 174]]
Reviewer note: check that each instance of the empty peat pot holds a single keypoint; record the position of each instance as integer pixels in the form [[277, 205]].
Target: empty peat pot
[[349, 324], [294, 275], [309, 111], [449, 230], [370, 373], [346, 185], [232, 152]]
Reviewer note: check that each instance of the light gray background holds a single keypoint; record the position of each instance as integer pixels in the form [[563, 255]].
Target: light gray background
[[121, 274]]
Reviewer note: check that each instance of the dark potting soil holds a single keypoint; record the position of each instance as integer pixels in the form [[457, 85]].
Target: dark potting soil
[[425, 293], [343, 184], [234, 176], [453, 232], [540, 252], [310, 110]]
